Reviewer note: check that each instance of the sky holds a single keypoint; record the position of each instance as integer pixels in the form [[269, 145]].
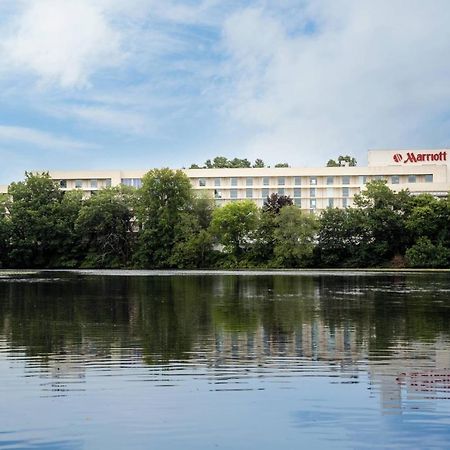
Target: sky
[[132, 84]]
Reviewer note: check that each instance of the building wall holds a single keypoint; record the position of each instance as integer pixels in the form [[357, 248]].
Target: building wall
[[313, 189]]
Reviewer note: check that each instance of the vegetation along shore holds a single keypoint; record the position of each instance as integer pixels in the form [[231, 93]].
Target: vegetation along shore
[[163, 225]]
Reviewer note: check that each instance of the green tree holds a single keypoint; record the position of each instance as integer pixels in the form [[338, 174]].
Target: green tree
[[4, 234], [386, 213], [262, 251], [346, 160], [294, 237], [41, 222], [282, 164], [426, 254], [162, 204], [259, 164], [194, 248], [344, 238], [234, 225], [105, 227]]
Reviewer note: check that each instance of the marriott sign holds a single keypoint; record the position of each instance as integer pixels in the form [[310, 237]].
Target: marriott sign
[[414, 157]]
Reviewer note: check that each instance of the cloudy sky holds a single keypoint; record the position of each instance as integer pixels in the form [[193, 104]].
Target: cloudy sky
[[88, 84]]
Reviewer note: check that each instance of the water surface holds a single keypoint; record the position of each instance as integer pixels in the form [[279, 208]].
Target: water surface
[[224, 360]]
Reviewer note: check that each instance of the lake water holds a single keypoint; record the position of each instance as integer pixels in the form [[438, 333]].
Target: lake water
[[204, 360]]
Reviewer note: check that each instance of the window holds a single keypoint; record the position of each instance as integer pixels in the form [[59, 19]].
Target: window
[[133, 182], [312, 192], [331, 202], [362, 179], [297, 181], [346, 180], [297, 192], [201, 182], [249, 193], [313, 180], [233, 181], [330, 192], [266, 181], [94, 184], [281, 181], [78, 184], [108, 182], [63, 184], [429, 178], [345, 192], [345, 202], [297, 202], [411, 178], [265, 193], [217, 193], [378, 177], [249, 181], [312, 203], [330, 180], [280, 191], [233, 193], [395, 179], [216, 182]]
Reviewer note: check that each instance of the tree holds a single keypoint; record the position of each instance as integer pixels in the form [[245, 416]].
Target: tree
[[385, 212], [344, 238], [233, 226], [162, 203], [221, 162], [426, 254], [41, 222], [4, 234], [282, 165], [105, 227], [258, 164], [342, 161], [194, 248], [294, 237], [275, 202]]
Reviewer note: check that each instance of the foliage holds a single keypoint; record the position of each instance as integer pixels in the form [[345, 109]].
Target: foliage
[[105, 229], [161, 208], [343, 238], [284, 164], [163, 225], [40, 222], [294, 237], [221, 162], [426, 254], [234, 225], [275, 202], [342, 161]]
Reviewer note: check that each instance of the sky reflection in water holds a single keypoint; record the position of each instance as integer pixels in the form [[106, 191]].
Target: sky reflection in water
[[200, 361]]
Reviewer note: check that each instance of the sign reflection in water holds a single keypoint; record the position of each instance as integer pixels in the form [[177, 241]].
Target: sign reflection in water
[[224, 360]]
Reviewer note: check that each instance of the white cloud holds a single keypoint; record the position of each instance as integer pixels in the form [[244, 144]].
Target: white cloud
[[115, 120], [40, 139], [62, 41], [366, 74]]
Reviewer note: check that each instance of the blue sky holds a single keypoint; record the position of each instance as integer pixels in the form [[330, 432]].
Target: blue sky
[[88, 84]]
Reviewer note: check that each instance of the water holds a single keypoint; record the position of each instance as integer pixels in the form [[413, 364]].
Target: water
[[206, 360]]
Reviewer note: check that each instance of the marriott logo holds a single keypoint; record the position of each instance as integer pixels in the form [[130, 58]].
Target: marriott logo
[[413, 157]]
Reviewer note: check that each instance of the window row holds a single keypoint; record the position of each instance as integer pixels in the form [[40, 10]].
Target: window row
[[91, 184], [265, 192], [313, 181]]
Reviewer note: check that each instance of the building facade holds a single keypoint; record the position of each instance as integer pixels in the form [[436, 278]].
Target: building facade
[[312, 189]]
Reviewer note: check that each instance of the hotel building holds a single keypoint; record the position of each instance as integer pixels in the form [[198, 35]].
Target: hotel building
[[312, 189]]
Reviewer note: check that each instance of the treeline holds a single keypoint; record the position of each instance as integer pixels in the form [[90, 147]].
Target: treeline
[[163, 225], [221, 162]]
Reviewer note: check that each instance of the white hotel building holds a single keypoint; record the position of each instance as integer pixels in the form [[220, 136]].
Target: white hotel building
[[312, 189]]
